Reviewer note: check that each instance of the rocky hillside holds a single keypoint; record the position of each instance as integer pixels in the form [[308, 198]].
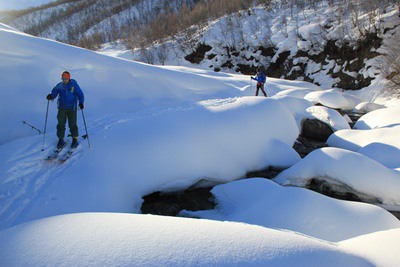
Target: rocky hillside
[[330, 43]]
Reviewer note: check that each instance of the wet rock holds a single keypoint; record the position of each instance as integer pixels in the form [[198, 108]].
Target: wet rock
[[269, 173], [305, 146], [171, 203]]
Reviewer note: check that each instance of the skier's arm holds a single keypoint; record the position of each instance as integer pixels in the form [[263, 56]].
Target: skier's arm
[[55, 91], [79, 93]]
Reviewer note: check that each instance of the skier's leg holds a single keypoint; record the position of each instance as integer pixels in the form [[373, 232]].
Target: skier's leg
[[262, 89], [258, 88], [62, 119], [72, 123]]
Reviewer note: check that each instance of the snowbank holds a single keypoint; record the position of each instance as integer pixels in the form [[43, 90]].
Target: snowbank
[[262, 202], [348, 170], [106, 239]]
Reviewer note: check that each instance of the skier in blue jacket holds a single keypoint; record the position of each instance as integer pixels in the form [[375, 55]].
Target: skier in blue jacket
[[261, 79], [68, 92]]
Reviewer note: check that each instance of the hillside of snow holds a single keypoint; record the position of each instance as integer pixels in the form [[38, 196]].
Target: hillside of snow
[[166, 129], [105, 80]]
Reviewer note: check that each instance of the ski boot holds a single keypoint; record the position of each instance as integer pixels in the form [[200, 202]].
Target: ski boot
[[61, 143], [75, 143]]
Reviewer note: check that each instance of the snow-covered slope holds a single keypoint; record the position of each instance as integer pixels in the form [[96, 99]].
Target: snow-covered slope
[[30, 67]]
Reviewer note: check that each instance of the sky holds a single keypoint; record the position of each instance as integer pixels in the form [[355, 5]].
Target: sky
[[21, 4]]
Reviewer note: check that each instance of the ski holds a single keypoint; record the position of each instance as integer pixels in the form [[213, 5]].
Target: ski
[[55, 153], [67, 155]]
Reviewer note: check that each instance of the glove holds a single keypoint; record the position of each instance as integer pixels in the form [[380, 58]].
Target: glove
[[81, 105], [49, 97], [252, 78]]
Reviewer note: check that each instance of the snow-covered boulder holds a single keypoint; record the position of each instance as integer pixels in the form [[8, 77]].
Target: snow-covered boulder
[[263, 202], [386, 155], [297, 106], [379, 118], [330, 99], [354, 140], [366, 107], [104, 239], [329, 116], [352, 100], [346, 171]]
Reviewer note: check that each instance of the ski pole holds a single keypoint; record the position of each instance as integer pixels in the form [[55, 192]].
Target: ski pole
[[84, 121], [45, 123], [33, 127]]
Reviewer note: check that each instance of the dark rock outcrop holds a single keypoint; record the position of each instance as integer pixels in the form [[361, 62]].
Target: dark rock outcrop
[[316, 129], [170, 204], [305, 146], [199, 54]]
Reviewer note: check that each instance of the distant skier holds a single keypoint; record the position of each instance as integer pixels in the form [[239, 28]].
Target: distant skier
[[68, 92], [261, 79]]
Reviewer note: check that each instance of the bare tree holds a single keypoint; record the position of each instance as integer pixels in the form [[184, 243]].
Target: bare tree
[[389, 64], [162, 53]]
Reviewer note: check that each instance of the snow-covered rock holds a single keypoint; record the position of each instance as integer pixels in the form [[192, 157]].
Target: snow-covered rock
[[329, 116], [330, 99], [297, 106], [379, 118], [386, 155], [346, 171], [366, 107], [262, 202], [356, 139]]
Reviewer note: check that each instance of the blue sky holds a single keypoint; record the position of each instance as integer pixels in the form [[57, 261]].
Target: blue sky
[[21, 4]]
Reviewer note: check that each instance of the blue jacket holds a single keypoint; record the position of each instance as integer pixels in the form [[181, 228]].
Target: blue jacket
[[260, 78], [68, 94]]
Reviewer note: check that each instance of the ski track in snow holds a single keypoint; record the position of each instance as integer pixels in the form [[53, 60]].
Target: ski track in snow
[[28, 177], [31, 174]]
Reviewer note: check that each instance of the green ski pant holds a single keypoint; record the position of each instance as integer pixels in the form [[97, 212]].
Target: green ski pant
[[62, 116]]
